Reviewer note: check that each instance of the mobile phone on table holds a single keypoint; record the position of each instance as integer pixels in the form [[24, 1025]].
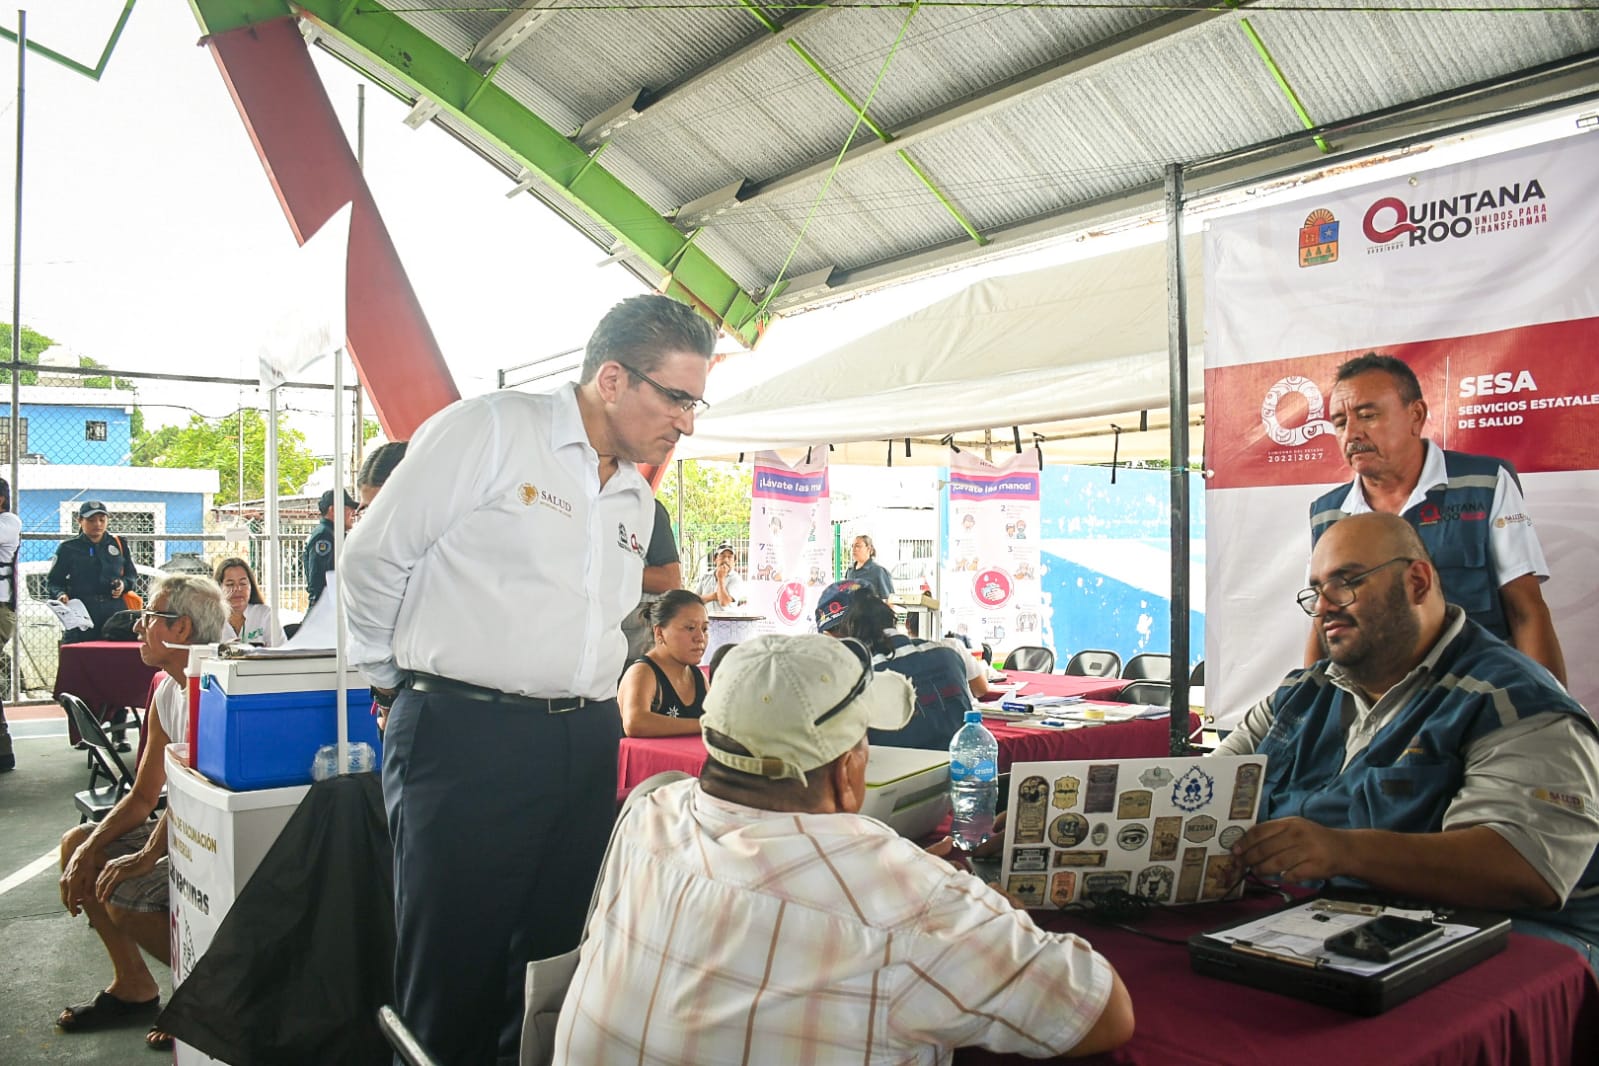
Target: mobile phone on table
[[1384, 939]]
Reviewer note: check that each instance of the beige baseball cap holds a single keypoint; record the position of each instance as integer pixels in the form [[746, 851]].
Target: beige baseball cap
[[799, 702]]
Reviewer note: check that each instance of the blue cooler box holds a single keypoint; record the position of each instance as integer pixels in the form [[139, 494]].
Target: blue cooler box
[[262, 720]]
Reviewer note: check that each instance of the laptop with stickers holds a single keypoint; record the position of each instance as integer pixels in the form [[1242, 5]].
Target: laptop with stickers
[[1161, 829]]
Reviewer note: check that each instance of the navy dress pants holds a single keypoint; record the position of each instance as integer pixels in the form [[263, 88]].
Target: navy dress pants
[[499, 816]]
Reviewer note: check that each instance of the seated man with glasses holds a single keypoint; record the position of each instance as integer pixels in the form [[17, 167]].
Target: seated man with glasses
[[1423, 756], [115, 872], [755, 915]]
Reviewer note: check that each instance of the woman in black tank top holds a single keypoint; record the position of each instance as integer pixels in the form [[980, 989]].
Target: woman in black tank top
[[663, 692]]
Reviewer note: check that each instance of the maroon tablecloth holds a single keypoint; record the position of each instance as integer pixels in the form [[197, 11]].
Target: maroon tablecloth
[[640, 758], [105, 675], [1535, 1003]]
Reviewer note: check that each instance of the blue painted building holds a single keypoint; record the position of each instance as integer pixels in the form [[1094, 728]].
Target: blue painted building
[[74, 445]]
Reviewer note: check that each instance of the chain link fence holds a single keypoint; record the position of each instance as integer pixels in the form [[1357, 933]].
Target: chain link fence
[[179, 465], [697, 542]]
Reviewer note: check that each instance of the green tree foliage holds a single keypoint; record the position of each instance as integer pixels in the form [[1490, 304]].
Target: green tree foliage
[[713, 494], [33, 344], [207, 445]]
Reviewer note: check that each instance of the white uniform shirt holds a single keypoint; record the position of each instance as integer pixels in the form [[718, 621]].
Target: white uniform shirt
[[172, 709], [1512, 544], [260, 626], [493, 556], [10, 541]]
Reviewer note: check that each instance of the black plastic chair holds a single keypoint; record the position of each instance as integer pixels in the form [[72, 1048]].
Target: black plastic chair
[[104, 762], [402, 1040], [1150, 666], [1154, 693], [1094, 664], [1197, 678], [988, 654], [1031, 659]]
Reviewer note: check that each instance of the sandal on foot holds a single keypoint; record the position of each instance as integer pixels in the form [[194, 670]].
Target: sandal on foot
[[156, 1040], [104, 1011]]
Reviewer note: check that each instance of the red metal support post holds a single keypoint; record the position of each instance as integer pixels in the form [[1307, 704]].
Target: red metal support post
[[268, 71]]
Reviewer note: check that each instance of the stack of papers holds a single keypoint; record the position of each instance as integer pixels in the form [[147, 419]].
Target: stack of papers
[[1028, 704]]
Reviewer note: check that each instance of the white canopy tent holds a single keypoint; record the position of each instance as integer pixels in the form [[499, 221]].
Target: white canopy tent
[[1066, 352]]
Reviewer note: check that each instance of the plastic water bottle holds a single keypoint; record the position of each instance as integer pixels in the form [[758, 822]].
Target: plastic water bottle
[[973, 782], [362, 759]]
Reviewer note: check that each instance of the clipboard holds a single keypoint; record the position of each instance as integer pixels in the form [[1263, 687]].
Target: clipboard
[[1342, 984]]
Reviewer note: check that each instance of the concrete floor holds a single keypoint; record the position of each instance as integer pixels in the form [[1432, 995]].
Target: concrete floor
[[48, 959]]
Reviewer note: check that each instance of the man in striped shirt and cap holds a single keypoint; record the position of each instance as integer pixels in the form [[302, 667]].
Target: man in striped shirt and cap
[[754, 915]]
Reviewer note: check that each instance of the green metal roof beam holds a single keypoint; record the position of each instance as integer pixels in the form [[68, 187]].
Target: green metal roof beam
[[92, 73], [1282, 83], [949, 205], [389, 41]]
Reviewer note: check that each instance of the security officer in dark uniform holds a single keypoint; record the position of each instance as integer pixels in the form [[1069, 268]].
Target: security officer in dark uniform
[[319, 548], [94, 567]]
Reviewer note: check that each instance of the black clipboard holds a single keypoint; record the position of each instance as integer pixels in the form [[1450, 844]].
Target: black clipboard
[[1366, 994]]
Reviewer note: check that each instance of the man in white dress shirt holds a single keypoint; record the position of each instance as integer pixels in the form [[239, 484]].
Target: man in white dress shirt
[[485, 591]]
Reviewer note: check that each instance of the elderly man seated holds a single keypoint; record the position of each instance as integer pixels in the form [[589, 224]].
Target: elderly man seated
[[755, 916], [115, 872], [1423, 755]]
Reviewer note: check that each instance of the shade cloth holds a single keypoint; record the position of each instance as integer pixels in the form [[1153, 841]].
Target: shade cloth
[[1068, 349]]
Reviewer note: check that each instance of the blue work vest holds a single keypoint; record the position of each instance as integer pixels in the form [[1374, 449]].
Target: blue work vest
[[1415, 765], [938, 675], [1454, 522]]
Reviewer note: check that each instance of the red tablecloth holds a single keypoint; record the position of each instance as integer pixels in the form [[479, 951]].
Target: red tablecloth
[[104, 674], [641, 758], [1535, 1003]]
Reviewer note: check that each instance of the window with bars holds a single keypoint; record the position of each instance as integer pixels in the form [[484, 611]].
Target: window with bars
[[915, 549], [5, 438], [126, 522], [93, 430]]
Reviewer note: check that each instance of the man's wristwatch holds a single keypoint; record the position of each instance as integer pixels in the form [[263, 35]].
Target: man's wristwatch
[[384, 700]]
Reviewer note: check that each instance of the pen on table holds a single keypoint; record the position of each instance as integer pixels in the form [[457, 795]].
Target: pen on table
[[1249, 949]]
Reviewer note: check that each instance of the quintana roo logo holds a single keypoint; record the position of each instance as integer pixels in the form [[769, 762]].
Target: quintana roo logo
[[1315, 424]]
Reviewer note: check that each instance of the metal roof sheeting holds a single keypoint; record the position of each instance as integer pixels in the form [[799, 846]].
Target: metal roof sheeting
[[1020, 117]]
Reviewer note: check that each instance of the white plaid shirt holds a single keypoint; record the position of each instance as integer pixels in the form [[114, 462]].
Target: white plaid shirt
[[727, 934]]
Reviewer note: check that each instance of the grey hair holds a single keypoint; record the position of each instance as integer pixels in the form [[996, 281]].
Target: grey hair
[[197, 598]]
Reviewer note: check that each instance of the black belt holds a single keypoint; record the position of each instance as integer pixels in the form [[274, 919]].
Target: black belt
[[445, 686]]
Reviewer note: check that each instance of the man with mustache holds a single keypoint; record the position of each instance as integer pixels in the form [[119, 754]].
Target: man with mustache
[[1423, 756], [1467, 509], [485, 591]]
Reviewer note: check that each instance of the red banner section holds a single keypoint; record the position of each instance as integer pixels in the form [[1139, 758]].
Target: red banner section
[[1529, 395]]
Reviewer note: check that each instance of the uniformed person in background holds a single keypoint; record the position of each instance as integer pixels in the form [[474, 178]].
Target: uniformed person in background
[[93, 567], [319, 547]]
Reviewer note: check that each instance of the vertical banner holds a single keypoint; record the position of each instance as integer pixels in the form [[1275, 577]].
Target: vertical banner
[[1483, 277], [791, 540], [991, 590]]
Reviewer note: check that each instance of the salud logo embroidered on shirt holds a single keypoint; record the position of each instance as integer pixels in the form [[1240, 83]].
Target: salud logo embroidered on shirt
[[530, 494]]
